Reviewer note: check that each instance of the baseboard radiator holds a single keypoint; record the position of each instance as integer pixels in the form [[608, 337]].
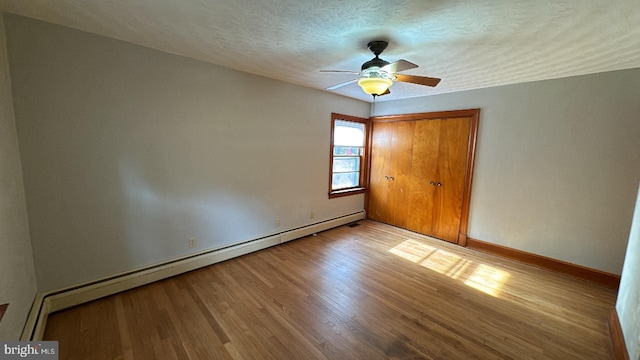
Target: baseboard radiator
[[56, 300]]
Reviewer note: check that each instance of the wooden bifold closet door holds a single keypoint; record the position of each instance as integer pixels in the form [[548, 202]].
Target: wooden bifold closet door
[[420, 172], [391, 172]]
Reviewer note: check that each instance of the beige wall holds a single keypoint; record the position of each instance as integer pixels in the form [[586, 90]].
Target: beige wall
[[17, 274], [128, 152], [557, 164], [628, 304]]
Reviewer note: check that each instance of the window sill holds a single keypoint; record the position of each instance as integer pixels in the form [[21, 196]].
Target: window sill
[[346, 192]]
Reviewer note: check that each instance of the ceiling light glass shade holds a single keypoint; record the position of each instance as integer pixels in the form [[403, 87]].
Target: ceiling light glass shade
[[374, 85]]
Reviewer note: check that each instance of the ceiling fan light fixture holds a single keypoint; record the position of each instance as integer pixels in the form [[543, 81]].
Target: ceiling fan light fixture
[[375, 81], [375, 86]]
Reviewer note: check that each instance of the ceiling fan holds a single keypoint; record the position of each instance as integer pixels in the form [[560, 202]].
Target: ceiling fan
[[377, 75]]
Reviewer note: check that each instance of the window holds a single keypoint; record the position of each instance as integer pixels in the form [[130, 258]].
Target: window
[[348, 144]]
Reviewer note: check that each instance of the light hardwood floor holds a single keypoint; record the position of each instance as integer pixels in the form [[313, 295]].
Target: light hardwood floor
[[366, 292]]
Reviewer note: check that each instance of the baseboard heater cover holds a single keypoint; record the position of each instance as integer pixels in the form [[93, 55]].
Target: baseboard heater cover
[[56, 300]]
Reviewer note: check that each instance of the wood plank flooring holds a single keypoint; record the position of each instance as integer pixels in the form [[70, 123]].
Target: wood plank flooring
[[366, 292]]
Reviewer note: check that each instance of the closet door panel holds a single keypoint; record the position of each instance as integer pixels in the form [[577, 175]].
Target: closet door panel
[[422, 194], [452, 161], [401, 172], [379, 190]]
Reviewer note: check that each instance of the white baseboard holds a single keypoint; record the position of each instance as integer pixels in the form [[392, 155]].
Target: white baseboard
[[56, 300]]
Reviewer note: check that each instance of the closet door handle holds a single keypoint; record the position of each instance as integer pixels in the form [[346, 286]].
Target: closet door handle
[[431, 183], [391, 178], [438, 184], [386, 177]]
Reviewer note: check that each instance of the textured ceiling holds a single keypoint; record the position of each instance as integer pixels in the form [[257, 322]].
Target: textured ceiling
[[470, 44]]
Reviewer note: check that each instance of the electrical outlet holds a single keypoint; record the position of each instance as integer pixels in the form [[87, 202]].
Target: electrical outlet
[[278, 222], [312, 215], [193, 242]]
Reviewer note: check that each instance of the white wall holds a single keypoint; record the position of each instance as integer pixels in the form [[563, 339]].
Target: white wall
[[128, 152], [557, 164], [628, 303], [17, 274]]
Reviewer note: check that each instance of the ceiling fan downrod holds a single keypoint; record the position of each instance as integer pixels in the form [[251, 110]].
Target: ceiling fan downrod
[[376, 47]]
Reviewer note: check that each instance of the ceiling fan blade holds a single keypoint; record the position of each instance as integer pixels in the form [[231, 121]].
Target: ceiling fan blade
[[420, 80], [385, 93], [340, 71], [400, 65], [341, 84]]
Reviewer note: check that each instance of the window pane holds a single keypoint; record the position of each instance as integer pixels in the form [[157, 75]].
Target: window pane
[[348, 133], [346, 164], [347, 155], [345, 180], [346, 150]]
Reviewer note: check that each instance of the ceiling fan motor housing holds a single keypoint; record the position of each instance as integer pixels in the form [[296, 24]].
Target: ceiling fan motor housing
[[374, 63]]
